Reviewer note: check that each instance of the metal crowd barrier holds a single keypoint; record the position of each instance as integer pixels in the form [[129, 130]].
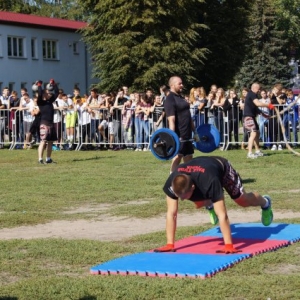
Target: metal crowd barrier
[[102, 130]]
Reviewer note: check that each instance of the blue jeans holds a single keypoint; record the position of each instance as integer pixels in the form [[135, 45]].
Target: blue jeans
[[94, 130], [287, 118], [138, 129], [262, 121], [145, 126]]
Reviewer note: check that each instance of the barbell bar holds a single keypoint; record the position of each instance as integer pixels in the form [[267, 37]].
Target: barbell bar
[[165, 143]]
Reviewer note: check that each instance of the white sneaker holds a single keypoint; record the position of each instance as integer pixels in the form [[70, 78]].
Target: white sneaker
[[274, 147], [252, 155], [279, 147], [259, 153]]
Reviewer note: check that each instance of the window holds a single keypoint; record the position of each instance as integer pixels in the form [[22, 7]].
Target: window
[[15, 46], [11, 86], [23, 85], [34, 48], [75, 48], [50, 49]]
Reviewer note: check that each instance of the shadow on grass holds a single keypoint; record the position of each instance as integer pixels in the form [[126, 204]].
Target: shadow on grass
[[92, 158], [248, 180], [8, 298], [86, 298]]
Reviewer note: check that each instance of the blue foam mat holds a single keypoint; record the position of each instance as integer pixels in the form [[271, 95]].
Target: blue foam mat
[[196, 265], [286, 232], [166, 264]]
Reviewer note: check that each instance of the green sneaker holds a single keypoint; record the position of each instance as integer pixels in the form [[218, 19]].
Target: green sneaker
[[213, 217], [267, 213]]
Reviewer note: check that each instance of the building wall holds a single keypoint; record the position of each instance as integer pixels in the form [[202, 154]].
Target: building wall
[[69, 69]]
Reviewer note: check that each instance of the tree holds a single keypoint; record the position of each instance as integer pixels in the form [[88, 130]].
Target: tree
[[18, 6], [142, 43], [288, 13], [225, 39], [265, 60], [63, 9]]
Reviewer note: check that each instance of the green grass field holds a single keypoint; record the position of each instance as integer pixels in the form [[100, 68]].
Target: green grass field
[[59, 269]]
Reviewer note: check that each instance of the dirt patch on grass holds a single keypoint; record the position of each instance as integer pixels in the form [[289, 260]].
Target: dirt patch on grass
[[110, 228], [7, 278], [284, 269]]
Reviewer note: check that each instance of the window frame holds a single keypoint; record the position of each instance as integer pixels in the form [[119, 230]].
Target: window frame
[[34, 48], [16, 46], [50, 49]]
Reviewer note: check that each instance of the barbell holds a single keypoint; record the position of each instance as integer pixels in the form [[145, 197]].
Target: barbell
[[165, 143]]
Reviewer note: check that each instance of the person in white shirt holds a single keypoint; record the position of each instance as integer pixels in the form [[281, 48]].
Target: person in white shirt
[[84, 121], [26, 106], [59, 107], [69, 119], [263, 121], [5, 99]]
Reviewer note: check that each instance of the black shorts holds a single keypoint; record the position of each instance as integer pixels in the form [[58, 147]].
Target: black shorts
[[186, 149], [48, 133], [232, 181], [250, 124]]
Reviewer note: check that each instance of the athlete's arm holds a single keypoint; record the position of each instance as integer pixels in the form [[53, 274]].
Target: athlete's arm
[[171, 223], [260, 104], [221, 212], [171, 122]]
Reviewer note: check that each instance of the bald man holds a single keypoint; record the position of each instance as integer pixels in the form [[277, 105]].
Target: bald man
[[251, 110], [179, 120]]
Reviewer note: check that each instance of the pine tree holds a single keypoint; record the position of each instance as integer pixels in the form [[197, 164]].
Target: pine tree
[[142, 43], [265, 60], [225, 39]]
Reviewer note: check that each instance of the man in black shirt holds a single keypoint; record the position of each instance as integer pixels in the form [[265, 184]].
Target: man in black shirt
[[47, 130], [251, 110], [179, 120], [201, 181]]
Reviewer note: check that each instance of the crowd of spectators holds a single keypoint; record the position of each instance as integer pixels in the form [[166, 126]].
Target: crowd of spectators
[[126, 120]]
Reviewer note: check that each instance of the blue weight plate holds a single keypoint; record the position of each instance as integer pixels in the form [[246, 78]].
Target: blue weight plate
[[164, 144], [209, 138]]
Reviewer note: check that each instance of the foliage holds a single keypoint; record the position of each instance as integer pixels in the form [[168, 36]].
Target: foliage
[[288, 20], [266, 60], [63, 9], [18, 6], [225, 39], [142, 43]]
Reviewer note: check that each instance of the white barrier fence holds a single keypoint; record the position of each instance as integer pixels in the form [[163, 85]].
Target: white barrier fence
[[102, 131]]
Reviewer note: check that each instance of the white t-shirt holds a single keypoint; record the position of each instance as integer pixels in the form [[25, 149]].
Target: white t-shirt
[[70, 103], [95, 114], [265, 101], [4, 101], [58, 103], [83, 115], [27, 117]]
